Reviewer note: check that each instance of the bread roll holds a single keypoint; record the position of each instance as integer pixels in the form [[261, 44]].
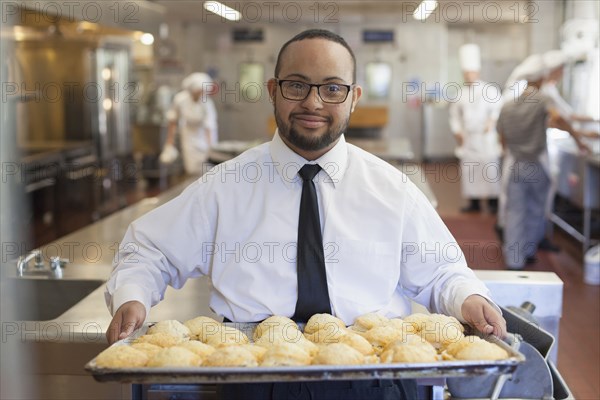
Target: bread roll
[[481, 350], [275, 322], [381, 336], [121, 357], [338, 354], [202, 350], [323, 321], [148, 348], [200, 327], [268, 341], [369, 321], [226, 336], [175, 357], [161, 339], [358, 342], [329, 334], [285, 354], [409, 352], [172, 327], [231, 356]]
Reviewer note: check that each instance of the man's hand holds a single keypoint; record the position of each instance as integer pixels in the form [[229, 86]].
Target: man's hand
[[482, 316], [129, 317]]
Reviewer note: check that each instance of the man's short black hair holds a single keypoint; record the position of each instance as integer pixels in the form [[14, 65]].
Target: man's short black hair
[[317, 34]]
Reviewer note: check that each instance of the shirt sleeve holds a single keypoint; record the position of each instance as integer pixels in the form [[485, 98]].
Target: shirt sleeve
[[155, 251], [434, 272]]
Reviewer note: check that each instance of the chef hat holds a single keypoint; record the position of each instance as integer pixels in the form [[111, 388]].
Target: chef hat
[[579, 36], [532, 69], [554, 59], [197, 81], [470, 57]]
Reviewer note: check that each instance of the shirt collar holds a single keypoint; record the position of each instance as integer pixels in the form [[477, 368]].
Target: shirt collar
[[288, 163]]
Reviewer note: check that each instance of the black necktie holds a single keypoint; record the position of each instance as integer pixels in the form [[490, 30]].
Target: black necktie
[[313, 297]]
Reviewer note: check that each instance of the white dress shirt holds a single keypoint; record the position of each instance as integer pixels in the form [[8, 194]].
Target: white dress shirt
[[384, 243]]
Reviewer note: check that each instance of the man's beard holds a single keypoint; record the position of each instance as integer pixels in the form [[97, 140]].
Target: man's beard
[[307, 142]]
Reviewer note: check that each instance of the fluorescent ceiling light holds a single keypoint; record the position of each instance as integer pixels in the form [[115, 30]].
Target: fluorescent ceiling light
[[425, 9], [222, 10]]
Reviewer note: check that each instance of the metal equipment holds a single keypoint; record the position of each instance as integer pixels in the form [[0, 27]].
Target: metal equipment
[[537, 378]]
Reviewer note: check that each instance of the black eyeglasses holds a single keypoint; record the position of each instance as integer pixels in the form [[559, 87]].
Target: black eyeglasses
[[334, 93]]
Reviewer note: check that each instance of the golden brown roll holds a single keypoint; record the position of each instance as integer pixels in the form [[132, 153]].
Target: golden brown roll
[[148, 348], [401, 325], [442, 331], [161, 339], [409, 352], [285, 354], [231, 356], [357, 342], [357, 329], [372, 359], [453, 348], [417, 320], [329, 334], [200, 327], [338, 354], [369, 321], [381, 336], [121, 357], [269, 340], [276, 322], [172, 327], [481, 350], [257, 351], [202, 350], [323, 321], [175, 357], [278, 333], [226, 336]]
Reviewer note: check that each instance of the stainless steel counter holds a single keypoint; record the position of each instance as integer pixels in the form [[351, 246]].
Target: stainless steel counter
[[577, 177], [91, 251]]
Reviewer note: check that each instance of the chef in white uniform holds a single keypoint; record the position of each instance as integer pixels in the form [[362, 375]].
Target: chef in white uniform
[[193, 113], [473, 120]]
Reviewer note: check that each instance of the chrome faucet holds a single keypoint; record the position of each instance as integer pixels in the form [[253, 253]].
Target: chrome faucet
[[54, 269]]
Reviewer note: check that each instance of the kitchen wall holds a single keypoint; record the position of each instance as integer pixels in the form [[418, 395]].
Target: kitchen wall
[[422, 51]]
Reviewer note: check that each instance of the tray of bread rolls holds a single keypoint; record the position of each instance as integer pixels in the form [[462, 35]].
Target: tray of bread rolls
[[203, 350]]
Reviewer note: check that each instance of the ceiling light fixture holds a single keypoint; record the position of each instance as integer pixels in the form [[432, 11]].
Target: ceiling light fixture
[[222, 10]]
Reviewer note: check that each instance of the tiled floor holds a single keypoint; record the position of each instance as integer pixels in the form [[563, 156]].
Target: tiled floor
[[579, 342]]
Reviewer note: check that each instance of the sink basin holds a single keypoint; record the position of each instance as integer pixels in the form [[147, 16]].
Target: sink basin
[[26, 299]]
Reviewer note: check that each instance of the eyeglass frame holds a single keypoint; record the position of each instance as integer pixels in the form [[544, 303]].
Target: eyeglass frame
[[318, 86]]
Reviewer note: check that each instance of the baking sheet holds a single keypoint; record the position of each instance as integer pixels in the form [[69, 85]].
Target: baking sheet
[[440, 369]]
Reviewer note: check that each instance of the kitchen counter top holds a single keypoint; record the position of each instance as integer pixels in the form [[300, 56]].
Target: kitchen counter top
[[90, 251]]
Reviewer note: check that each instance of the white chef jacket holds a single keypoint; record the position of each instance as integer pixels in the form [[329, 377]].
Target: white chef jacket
[[383, 241], [481, 149], [194, 118]]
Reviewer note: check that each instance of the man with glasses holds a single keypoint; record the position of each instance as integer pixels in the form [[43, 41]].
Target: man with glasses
[[332, 229]]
